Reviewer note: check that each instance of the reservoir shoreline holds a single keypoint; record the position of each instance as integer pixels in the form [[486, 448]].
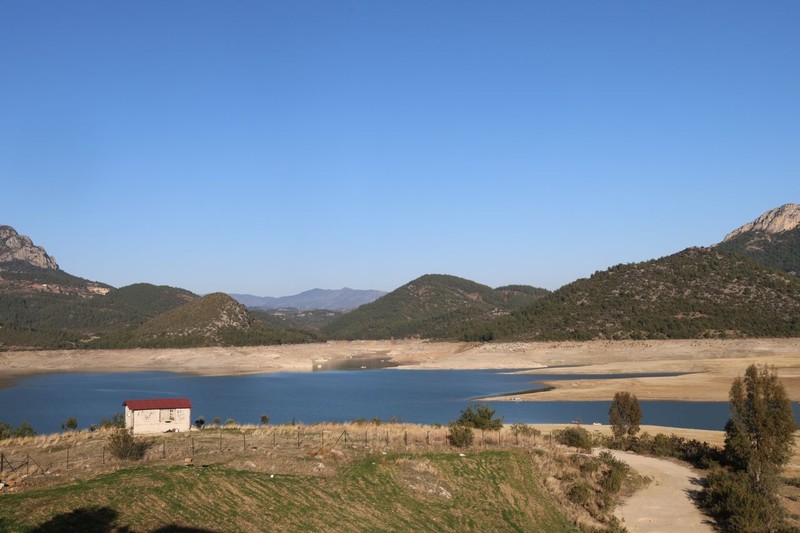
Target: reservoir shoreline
[[706, 367]]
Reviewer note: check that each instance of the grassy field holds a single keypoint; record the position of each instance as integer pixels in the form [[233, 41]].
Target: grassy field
[[493, 490]]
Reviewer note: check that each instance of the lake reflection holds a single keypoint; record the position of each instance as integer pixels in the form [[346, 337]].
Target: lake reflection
[[418, 396]]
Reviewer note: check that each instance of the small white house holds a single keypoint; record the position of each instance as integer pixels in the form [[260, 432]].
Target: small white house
[[158, 415]]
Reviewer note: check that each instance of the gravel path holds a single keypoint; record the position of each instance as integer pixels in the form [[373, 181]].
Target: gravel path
[[666, 505]]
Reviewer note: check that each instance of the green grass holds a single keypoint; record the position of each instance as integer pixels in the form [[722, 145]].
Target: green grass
[[488, 491]]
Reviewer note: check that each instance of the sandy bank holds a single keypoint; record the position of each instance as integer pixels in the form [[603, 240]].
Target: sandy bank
[[710, 365]]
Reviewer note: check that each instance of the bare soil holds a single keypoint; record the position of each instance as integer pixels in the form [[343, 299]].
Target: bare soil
[[667, 503]]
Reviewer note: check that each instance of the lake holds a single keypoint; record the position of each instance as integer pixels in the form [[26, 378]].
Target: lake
[[417, 396]]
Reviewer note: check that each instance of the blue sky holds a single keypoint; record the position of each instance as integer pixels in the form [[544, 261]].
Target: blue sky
[[273, 147]]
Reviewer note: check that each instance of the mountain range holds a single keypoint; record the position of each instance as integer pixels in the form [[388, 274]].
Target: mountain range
[[335, 300], [745, 286]]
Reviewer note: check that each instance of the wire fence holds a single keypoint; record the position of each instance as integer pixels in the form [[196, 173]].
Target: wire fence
[[92, 453]]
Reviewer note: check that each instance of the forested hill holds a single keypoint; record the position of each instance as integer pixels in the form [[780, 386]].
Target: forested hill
[[772, 239], [213, 320], [432, 306], [780, 251], [695, 293]]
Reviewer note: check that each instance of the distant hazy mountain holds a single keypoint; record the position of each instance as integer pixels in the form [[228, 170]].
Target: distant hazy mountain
[[773, 239], [334, 300]]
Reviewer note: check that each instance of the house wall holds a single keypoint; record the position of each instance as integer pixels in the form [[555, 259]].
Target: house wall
[[158, 420]]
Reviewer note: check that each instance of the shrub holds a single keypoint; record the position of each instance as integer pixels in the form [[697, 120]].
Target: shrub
[[460, 436], [123, 445], [24, 430], [116, 421], [200, 422], [577, 437], [480, 416], [69, 424], [264, 420], [525, 430], [580, 493]]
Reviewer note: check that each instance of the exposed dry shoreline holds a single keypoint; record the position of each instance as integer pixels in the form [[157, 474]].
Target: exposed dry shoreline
[[709, 365]]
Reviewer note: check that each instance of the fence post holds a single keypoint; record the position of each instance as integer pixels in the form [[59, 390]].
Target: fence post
[[104, 455], [191, 439], [244, 441], [2, 460], [219, 432], [273, 436], [405, 438], [164, 448], [298, 437], [428, 438], [366, 437], [67, 458], [345, 437]]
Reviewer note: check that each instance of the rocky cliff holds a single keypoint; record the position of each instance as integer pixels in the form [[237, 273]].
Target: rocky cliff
[[16, 247], [779, 220]]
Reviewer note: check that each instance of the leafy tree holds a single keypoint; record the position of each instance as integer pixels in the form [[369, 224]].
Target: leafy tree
[[264, 420], [624, 415], [480, 416], [69, 424], [200, 422], [759, 434]]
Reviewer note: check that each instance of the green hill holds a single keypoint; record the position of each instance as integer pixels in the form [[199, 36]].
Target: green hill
[[694, 293], [213, 320], [49, 308], [150, 300], [780, 251], [432, 306]]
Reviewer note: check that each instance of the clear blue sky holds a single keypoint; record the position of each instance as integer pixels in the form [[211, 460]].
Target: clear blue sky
[[272, 147]]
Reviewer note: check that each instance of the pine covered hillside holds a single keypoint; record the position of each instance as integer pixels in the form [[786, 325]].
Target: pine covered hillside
[[213, 320], [695, 293], [150, 300], [432, 306], [773, 239]]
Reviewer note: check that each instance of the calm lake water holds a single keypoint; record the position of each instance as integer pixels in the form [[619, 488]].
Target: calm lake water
[[419, 396]]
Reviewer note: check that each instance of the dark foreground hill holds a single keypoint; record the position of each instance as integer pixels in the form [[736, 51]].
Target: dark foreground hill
[[691, 294], [432, 306]]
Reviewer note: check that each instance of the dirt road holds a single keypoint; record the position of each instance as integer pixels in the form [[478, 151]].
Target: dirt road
[[666, 504]]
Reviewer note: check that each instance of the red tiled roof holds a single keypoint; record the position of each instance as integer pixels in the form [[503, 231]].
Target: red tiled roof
[[158, 403]]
